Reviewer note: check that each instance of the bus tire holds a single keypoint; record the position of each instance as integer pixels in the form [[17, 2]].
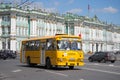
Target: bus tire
[[71, 67], [28, 61], [48, 63]]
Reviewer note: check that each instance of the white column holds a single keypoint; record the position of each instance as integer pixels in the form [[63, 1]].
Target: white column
[[101, 35], [45, 33], [60, 28], [13, 25], [76, 30], [90, 46], [52, 28], [94, 47], [0, 25], [55, 28], [83, 32], [63, 28], [84, 48], [44, 28], [0, 32], [48, 28], [105, 46], [13, 45], [33, 28], [0, 44], [13, 32], [99, 47], [57, 25]]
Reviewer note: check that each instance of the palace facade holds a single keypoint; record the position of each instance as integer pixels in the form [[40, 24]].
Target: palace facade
[[17, 24]]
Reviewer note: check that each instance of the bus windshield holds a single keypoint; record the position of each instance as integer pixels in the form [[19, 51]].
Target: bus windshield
[[68, 45]]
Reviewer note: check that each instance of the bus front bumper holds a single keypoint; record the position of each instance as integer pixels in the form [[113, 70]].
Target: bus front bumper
[[70, 64]]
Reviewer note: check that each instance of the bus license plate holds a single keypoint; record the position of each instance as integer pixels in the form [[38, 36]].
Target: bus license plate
[[72, 59]]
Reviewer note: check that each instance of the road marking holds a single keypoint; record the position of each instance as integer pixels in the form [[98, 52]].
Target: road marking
[[7, 60], [81, 79], [2, 76], [100, 64], [111, 65], [57, 73], [101, 71], [18, 70], [96, 64]]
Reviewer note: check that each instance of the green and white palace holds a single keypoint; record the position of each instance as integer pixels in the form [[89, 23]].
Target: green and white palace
[[17, 24]]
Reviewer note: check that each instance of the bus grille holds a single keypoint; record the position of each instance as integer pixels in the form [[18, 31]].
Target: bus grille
[[71, 59], [71, 53]]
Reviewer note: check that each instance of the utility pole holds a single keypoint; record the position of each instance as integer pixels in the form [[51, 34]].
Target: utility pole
[[88, 10]]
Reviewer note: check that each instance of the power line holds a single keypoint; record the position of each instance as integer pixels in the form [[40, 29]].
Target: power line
[[22, 3]]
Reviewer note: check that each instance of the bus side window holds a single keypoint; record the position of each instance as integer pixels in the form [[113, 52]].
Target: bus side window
[[50, 44], [32, 45], [27, 46], [37, 45]]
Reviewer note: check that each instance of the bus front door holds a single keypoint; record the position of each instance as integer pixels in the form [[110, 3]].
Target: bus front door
[[42, 54]]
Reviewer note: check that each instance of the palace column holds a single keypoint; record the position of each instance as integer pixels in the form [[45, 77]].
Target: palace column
[[33, 27], [0, 32], [13, 32]]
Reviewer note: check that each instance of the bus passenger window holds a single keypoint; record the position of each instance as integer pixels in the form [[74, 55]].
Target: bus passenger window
[[60, 45], [50, 45], [74, 45]]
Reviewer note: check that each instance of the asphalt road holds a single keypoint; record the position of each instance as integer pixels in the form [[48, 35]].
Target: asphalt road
[[14, 70]]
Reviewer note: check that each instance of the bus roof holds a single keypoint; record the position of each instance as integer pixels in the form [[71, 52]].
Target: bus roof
[[56, 36]]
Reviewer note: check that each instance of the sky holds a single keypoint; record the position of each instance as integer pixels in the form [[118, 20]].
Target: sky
[[106, 10]]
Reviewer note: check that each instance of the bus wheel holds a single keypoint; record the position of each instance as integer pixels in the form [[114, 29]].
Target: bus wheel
[[71, 67], [48, 63], [28, 61]]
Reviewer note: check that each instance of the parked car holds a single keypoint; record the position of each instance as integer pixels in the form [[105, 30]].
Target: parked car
[[117, 53], [103, 57], [5, 54]]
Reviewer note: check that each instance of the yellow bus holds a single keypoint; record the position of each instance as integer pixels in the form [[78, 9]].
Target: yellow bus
[[53, 51]]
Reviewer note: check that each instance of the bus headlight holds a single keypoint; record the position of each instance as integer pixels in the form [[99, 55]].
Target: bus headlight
[[79, 60], [60, 59], [65, 54]]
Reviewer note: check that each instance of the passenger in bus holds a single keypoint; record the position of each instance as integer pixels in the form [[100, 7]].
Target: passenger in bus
[[67, 45], [62, 45], [51, 47], [74, 45], [58, 44]]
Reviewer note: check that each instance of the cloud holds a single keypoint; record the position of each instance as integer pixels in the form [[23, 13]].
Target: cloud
[[70, 1], [110, 10], [37, 5], [107, 10], [56, 3], [75, 11], [51, 9]]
